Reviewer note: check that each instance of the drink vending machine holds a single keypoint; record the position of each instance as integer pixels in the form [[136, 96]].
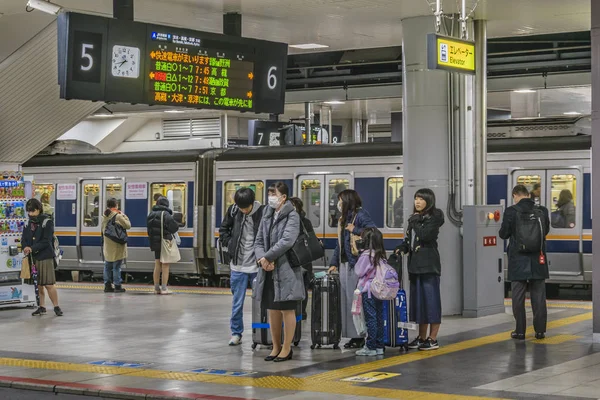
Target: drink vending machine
[[14, 191]]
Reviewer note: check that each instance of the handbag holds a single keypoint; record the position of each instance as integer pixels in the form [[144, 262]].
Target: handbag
[[353, 239], [115, 232], [25, 269], [358, 314], [306, 249], [169, 252]]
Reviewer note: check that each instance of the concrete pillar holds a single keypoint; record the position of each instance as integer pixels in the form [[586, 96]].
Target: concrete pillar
[[426, 147], [596, 165]]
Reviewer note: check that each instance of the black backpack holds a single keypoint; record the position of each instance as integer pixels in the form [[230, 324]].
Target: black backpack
[[529, 232], [115, 232]]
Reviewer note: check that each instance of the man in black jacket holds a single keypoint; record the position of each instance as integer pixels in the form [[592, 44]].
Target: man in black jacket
[[237, 232], [526, 266]]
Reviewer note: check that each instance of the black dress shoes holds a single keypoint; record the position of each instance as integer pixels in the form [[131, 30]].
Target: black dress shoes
[[518, 336], [282, 359]]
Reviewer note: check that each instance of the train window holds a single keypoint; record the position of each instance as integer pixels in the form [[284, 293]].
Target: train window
[[336, 186], [533, 183], [114, 191], [258, 187], [310, 194], [395, 206], [176, 193], [563, 201], [91, 204], [45, 194]]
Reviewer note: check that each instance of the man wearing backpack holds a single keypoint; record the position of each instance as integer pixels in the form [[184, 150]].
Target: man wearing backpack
[[526, 225], [114, 250], [237, 232]]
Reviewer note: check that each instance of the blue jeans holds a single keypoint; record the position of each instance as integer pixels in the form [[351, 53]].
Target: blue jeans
[[112, 272], [239, 284], [373, 309]]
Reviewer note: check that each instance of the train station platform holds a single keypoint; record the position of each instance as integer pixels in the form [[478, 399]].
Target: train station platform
[[138, 345]]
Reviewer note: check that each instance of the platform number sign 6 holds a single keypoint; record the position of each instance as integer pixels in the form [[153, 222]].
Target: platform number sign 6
[[272, 78], [87, 56]]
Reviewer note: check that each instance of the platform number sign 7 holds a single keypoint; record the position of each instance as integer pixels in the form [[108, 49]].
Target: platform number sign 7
[[87, 56]]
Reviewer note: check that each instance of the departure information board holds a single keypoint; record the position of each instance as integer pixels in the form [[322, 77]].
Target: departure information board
[[113, 60]]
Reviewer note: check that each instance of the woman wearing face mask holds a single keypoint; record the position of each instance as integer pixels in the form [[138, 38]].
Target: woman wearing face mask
[[352, 222], [424, 268], [279, 286]]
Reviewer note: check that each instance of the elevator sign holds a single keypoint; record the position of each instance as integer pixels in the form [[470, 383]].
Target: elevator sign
[[450, 54]]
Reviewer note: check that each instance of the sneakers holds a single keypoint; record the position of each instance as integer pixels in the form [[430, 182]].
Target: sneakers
[[380, 352], [108, 288], [157, 289], [429, 344], [58, 311], [235, 340], [165, 291], [415, 344], [119, 289], [540, 335], [365, 351], [517, 336], [40, 311]]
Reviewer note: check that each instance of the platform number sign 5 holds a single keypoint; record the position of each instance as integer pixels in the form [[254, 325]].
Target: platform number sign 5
[[87, 56]]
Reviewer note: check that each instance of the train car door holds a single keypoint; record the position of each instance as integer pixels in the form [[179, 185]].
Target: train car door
[[94, 194], [319, 194], [559, 191]]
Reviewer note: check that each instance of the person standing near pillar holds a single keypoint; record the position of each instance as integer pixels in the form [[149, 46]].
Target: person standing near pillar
[[526, 225]]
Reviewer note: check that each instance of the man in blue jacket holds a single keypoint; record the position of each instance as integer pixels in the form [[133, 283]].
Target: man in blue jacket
[[237, 232]]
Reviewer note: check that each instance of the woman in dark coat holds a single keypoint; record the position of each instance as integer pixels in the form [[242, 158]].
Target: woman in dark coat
[[37, 245], [352, 222], [307, 270], [424, 268], [169, 228]]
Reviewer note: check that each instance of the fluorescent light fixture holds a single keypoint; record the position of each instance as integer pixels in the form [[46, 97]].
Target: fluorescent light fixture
[[309, 46], [44, 6], [524, 91], [334, 102], [572, 113], [174, 111]]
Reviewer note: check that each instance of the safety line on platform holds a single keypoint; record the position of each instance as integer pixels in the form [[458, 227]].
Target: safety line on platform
[[148, 289]]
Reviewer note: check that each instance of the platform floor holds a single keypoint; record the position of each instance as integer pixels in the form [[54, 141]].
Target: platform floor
[[138, 345]]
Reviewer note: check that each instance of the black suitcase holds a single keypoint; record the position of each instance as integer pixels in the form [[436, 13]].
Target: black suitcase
[[326, 317], [261, 334]]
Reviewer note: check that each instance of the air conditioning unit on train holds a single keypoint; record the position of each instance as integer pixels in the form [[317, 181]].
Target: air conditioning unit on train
[[539, 127]]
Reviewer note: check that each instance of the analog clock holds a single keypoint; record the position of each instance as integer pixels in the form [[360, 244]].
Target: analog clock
[[125, 62]]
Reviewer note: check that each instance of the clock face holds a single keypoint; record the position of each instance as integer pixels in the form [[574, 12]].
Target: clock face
[[125, 62]]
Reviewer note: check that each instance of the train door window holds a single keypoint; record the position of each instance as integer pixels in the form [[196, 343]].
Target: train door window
[[113, 190], [395, 206], [563, 201], [310, 193], [176, 193], [258, 187], [533, 181], [45, 194], [336, 186], [91, 203]]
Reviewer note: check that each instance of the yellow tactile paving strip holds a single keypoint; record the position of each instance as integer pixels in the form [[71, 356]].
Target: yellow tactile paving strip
[[583, 305], [328, 382], [147, 289]]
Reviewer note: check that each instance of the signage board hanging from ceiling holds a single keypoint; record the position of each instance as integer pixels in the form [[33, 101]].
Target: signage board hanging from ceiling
[[450, 54], [105, 59]]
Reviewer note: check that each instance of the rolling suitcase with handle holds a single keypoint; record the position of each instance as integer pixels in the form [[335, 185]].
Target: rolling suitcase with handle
[[261, 334], [395, 312], [326, 317]]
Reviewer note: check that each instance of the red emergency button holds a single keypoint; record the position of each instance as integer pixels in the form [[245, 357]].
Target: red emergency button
[[497, 215]]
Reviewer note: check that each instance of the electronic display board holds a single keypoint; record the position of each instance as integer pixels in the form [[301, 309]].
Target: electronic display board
[[105, 59]]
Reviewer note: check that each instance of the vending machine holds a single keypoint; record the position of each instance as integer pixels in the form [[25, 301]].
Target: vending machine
[[14, 191]]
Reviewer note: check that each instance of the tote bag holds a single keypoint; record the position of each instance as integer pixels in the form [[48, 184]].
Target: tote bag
[[169, 252]]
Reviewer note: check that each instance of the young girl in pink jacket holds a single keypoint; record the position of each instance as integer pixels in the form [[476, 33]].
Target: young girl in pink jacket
[[373, 252]]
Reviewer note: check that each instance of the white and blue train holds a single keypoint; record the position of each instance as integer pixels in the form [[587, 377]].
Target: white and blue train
[[200, 184]]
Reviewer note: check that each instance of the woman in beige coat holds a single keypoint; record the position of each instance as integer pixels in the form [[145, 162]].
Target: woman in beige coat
[[114, 253]]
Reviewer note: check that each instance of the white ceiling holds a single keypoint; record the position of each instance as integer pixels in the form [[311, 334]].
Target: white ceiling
[[340, 24]]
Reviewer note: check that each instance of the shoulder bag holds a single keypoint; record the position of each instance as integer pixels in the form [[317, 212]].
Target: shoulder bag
[[353, 239], [115, 232], [306, 249], [169, 252]]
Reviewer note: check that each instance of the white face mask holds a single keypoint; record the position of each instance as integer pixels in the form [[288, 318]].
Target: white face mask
[[339, 206], [274, 202]]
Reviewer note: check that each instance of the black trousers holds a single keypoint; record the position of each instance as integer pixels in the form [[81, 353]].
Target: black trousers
[[537, 290]]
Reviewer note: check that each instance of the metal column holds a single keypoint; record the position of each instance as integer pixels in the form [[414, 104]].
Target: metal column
[[480, 28], [426, 147], [596, 165]]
